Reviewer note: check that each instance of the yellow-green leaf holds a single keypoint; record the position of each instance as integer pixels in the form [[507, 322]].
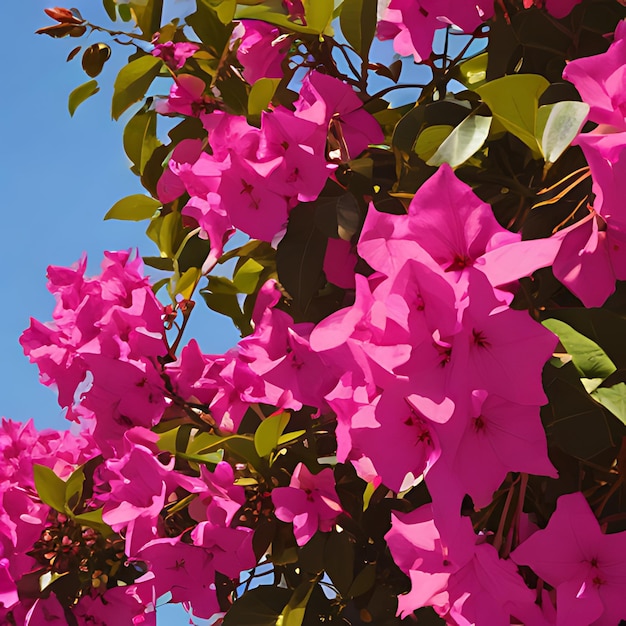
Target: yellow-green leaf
[[261, 95], [318, 14], [50, 487], [513, 100], [133, 81], [429, 140], [268, 433], [134, 208], [293, 613], [464, 141], [74, 489], [186, 283], [93, 519], [147, 14], [80, 94], [247, 277], [473, 72], [265, 13], [557, 125]]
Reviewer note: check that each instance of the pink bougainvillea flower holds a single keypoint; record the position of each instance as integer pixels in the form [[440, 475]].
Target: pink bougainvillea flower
[[469, 585], [310, 502], [339, 262], [496, 437], [187, 97], [600, 81], [586, 567], [174, 55], [593, 253], [412, 23], [334, 105], [262, 49], [449, 223]]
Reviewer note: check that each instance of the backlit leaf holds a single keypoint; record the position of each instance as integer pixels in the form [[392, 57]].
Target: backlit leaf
[[50, 487], [133, 81], [268, 433], [557, 125], [358, 24], [134, 208], [261, 95], [463, 142], [80, 94]]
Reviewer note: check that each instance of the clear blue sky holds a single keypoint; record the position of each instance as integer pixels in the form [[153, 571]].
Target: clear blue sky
[[59, 176]]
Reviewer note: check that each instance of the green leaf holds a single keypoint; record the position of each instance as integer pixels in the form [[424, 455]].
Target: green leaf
[[133, 81], [588, 357], [473, 72], [93, 519], [293, 613], [268, 433], [557, 125], [124, 11], [261, 95], [339, 561], [358, 24], [318, 14], [74, 489], [209, 28], [80, 94], [94, 58], [246, 278], [363, 582], [147, 15], [185, 284], [140, 139], [109, 7], [134, 208], [463, 142], [429, 140], [267, 13], [260, 606], [613, 398], [164, 231], [159, 263], [289, 437], [514, 100], [225, 9], [50, 487]]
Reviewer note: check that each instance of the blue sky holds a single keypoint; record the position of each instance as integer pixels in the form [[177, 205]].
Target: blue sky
[[59, 176]]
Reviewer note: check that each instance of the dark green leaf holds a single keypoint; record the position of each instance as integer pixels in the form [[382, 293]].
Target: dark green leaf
[[94, 58], [124, 11], [133, 81], [50, 487], [227, 304], [80, 94], [258, 607], [209, 28], [358, 24], [268, 433], [109, 7], [300, 256], [159, 263], [134, 208], [339, 561], [363, 582], [140, 139], [293, 613]]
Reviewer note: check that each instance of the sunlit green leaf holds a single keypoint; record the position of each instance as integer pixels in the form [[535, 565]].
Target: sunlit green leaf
[[613, 398], [588, 357], [93, 519], [473, 72], [133, 81], [513, 100], [261, 95], [429, 140], [269, 14], [185, 284], [147, 15], [557, 125], [134, 208], [293, 613], [74, 489], [80, 94], [463, 142], [247, 276], [268, 433]]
